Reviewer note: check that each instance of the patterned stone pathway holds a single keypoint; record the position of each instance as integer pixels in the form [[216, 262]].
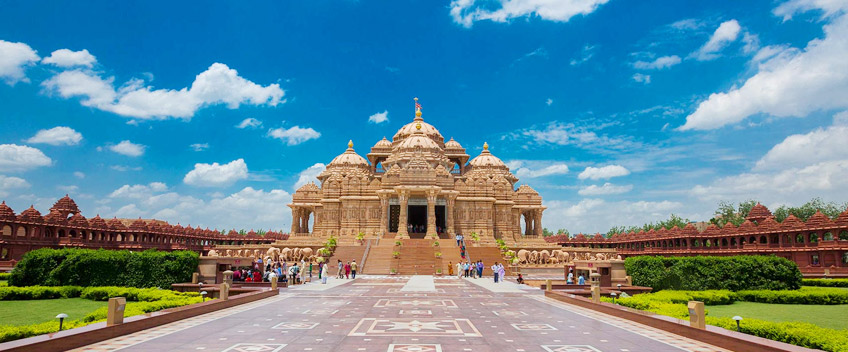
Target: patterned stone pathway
[[374, 313]]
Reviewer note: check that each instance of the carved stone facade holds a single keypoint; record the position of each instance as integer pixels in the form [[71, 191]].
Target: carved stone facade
[[417, 185]]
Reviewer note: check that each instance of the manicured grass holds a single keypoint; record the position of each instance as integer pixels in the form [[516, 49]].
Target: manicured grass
[[42, 310], [826, 316]]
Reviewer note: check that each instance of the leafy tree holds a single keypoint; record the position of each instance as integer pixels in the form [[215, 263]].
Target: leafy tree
[[805, 211], [242, 232], [726, 212], [546, 232], [563, 232]]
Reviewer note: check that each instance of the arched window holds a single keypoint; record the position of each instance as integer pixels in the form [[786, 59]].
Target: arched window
[[752, 240], [827, 236], [724, 242], [21, 231], [733, 241], [799, 238], [708, 243], [845, 258], [696, 243], [814, 237], [787, 240], [763, 240], [843, 236], [119, 238]]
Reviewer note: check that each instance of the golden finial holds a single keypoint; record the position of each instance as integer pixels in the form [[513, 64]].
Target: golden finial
[[418, 113], [416, 98], [485, 146], [350, 143], [418, 126]]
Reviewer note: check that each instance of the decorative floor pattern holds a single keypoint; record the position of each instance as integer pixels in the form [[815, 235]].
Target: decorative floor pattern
[[255, 347], [415, 327], [414, 348], [424, 303], [570, 348]]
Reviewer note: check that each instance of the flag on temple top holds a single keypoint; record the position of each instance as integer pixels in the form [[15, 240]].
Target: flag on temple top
[[417, 106]]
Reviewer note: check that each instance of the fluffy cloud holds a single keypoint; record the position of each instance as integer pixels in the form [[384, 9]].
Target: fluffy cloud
[[466, 12], [309, 175], [596, 215], [123, 168], [797, 150], [216, 175], [379, 117], [609, 171], [658, 64], [199, 147], [726, 33], [249, 122], [549, 101], [642, 78], [14, 58], [219, 84], [15, 157], [791, 7], [79, 174], [128, 148], [69, 58], [558, 133], [139, 191], [294, 135], [585, 55], [534, 169], [605, 189], [57, 136], [8, 183], [789, 82]]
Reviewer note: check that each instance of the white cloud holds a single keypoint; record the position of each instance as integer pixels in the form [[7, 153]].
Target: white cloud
[[535, 169], [606, 188], [128, 148], [60, 135], [199, 147], [549, 101], [790, 82], [791, 7], [558, 133], [249, 122], [687, 24], [798, 150], [79, 174], [14, 58], [139, 191], [379, 117], [642, 78], [219, 84], [68, 188], [466, 12], [294, 135], [726, 33], [586, 54], [123, 168], [309, 175], [9, 183], [658, 64], [596, 215], [216, 175], [69, 58], [15, 157], [606, 172]]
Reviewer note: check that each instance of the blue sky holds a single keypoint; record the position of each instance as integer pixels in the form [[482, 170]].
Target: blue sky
[[617, 112]]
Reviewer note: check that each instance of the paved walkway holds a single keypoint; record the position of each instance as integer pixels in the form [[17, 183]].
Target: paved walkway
[[375, 313], [420, 283]]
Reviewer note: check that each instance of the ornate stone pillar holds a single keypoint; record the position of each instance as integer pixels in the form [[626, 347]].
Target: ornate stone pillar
[[305, 227], [384, 214], [295, 220], [528, 224], [537, 223], [431, 213], [449, 205], [403, 198]]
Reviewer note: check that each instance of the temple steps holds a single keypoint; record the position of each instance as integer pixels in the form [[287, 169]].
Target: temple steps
[[380, 261], [346, 253], [489, 255]]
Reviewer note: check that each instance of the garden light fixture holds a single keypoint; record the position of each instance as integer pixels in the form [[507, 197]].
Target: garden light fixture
[[61, 318], [738, 319]]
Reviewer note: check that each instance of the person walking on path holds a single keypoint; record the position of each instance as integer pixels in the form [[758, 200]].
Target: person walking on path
[[324, 273], [341, 270], [495, 271], [293, 273], [310, 271], [320, 271], [480, 269], [353, 269], [347, 270], [450, 268], [570, 279], [459, 269], [458, 240], [581, 280], [501, 272]]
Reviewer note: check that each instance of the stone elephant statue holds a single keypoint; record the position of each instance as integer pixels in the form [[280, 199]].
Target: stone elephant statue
[[544, 256], [274, 253], [229, 252], [600, 256], [306, 254], [257, 254], [534, 257], [556, 256], [565, 258], [212, 253], [286, 253], [523, 256], [296, 253]]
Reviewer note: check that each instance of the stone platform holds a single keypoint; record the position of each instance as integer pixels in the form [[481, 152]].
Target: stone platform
[[401, 313]]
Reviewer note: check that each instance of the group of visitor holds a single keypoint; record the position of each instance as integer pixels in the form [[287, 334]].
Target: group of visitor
[[346, 270], [570, 279], [475, 270]]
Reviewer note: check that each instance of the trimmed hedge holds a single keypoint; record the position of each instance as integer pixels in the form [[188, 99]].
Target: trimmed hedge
[[88, 267], [796, 333], [825, 282], [5, 276], [39, 292], [806, 295], [733, 273]]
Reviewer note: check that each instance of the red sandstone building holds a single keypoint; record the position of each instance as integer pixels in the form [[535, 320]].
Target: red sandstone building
[[819, 246], [65, 227]]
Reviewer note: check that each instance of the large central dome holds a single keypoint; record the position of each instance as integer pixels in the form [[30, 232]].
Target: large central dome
[[427, 129]]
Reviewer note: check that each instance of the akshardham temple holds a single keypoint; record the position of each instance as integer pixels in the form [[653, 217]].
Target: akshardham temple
[[417, 185]]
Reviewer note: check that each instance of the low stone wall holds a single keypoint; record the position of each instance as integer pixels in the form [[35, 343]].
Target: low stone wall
[[713, 335], [89, 334]]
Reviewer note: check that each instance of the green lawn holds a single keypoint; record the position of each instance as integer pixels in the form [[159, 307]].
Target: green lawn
[[827, 316], [39, 311]]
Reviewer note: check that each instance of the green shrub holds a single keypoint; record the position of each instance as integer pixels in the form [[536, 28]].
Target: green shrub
[[806, 295], [796, 333], [39, 292], [5, 276], [714, 273], [9, 333], [87, 267], [134, 294], [820, 282]]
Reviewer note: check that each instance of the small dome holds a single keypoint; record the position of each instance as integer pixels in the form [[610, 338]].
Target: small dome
[[418, 140], [66, 204], [758, 213], [138, 225], [349, 157], [30, 215], [452, 144], [116, 224], [486, 159], [6, 213], [383, 143], [78, 220], [426, 128], [98, 222]]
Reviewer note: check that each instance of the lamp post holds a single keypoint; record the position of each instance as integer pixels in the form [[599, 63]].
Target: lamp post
[[738, 319], [203, 296], [61, 318], [613, 297]]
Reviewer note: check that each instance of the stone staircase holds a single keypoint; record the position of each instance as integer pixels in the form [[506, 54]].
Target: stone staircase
[[489, 255], [346, 253], [417, 257], [380, 261], [450, 255]]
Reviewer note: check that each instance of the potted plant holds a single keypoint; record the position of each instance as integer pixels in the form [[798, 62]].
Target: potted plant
[[395, 254], [398, 243], [475, 238], [394, 271], [438, 254], [435, 243], [439, 272], [360, 238]]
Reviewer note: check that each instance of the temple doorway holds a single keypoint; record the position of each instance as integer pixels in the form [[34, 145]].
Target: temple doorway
[[440, 219], [394, 218], [417, 227]]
